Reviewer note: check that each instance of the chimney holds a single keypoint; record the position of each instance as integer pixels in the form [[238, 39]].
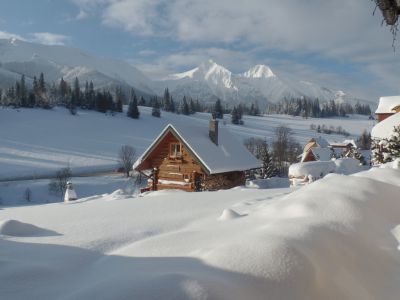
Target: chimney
[[213, 131]]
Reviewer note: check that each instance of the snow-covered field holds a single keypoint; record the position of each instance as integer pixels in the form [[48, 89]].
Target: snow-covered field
[[35, 143], [337, 238]]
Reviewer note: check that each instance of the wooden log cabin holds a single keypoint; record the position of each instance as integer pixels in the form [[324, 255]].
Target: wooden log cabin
[[195, 158]]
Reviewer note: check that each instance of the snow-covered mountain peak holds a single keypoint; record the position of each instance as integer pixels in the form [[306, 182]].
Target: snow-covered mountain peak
[[259, 71]]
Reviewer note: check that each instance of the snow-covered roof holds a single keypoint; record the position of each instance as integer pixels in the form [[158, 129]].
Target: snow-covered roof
[[322, 154], [384, 129], [387, 104], [314, 168], [229, 155]]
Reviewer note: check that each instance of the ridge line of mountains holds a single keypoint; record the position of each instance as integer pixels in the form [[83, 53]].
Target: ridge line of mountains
[[207, 82]]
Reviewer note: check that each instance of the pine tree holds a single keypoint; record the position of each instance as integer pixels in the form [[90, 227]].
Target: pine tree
[[92, 96], [36, 87], [63, 89], [23, 92], [184, 106], [76, 93], [192, 107], [217, 110], [393, 144], [172, 106], [235, 116], [142, 102], [133, 111], [42, 84], [268, 169], [156, 109], [119, 98], [166, 100]]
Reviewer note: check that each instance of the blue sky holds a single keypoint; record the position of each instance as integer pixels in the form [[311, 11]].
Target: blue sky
[[338, 44]]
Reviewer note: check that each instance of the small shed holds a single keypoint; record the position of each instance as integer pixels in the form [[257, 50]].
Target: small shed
[[195, 158]]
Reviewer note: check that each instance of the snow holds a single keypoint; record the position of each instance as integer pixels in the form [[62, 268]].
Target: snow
[[269, 183], [229, 155], [19, 229], [387, 104], [32, 151], [321, 142], [384, 129], [229, 214], [337, 238], [259, 71], [347, 166], [60, 61], [316, 169], [323, 154], [210, 81]]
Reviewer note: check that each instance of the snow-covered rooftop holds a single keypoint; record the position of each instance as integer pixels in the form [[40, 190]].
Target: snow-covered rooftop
[[314, 168], [387, 104], [229, 155], [384, 129], [323, 154]]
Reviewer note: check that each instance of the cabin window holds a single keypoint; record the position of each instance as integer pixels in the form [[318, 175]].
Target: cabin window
[[175, 150]]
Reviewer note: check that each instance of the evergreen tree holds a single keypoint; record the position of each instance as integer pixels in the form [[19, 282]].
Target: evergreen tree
[[36, 87], [92, 96], [268, 169], [166, 100], [23, 92], [42, 84], [184, 106], [235, 116], [119, 98], [142, 102], [156, 109], [133, 111], [85, 96], [76, 92], [172, 106], [217, 110], [192, 107], [63, 90]]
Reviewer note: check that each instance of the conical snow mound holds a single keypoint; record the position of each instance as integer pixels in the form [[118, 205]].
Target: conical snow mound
[[229, 214], [20, 229]]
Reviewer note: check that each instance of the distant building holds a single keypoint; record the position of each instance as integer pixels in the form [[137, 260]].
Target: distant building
[[387, 107], [316, 149], [194, 158]]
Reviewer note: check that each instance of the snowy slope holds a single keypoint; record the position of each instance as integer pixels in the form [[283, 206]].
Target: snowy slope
[[210, 81], [38, 142], [234, 244], [20, 57]]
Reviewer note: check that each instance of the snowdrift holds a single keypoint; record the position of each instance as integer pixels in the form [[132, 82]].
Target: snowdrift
[[337, 238]]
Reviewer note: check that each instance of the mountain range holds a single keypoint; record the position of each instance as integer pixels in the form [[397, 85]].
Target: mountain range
[[207, 82]]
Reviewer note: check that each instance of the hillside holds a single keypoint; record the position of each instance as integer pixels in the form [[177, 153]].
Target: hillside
[[39, 142], [21, 57]]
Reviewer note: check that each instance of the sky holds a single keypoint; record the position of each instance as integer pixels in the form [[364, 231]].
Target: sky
[[338, 44]]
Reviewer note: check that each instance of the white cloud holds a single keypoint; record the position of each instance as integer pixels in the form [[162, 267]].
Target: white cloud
[[48, 38], [81, 15], [342, 30], [8, 35]]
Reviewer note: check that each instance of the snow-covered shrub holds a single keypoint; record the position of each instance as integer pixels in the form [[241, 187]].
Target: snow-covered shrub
[[386, 150]]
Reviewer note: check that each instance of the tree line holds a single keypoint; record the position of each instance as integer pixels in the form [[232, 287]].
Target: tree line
[[306, 108]]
